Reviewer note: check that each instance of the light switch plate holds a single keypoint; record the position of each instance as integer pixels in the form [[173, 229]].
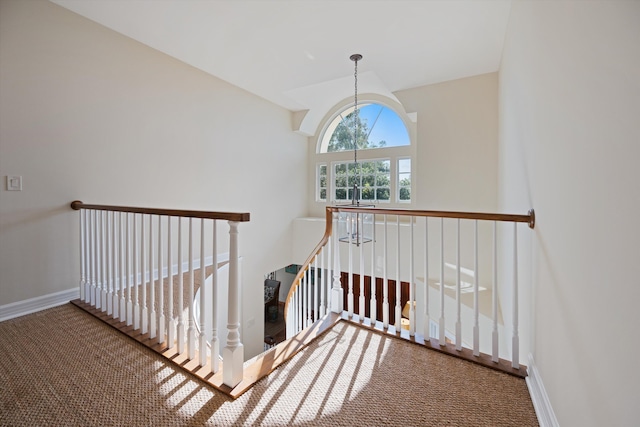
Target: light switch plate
[[14, 183]]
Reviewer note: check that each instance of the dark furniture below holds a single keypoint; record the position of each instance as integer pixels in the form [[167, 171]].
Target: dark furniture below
[[271, 295]]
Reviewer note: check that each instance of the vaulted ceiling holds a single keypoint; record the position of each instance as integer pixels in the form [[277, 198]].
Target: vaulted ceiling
[[295, 53]]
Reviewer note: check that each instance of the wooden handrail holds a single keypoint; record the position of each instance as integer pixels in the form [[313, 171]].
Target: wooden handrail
[[229, 216], [529, 218], [325, 238]]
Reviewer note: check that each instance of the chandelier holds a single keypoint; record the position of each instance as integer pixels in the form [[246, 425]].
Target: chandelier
[[355, 227]]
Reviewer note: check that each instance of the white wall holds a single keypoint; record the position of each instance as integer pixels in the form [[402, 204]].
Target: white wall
[[457, 143], [570, 144], [92, 115]]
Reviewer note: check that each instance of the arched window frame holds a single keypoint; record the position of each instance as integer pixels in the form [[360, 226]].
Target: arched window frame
[[329, 160]]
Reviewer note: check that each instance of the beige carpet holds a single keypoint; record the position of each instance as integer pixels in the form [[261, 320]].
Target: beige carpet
[[62, 367]]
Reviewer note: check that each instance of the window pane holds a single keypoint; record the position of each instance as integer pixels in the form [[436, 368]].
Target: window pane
[[384, 166], [382, 180], [373, 180], [377, 126], [368, 193], [321, 191], [382, 194], [404, 180]]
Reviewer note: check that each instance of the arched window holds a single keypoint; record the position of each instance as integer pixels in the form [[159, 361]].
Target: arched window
[[377, 126], [383, 170]]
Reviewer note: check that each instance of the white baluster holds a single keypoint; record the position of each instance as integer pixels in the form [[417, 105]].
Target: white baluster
[[233, 353], [113, 300], [316, 285], [99, 261], [289, 313], [104, 253], [336, 290], [329, 275], [203, 301], [180, 329], [515, 341], [495, 355], [134, 262], [308, 294], [350, 292], [104, 304], [412, 285], [128, 274], [427, 319], [152, 293], [171, 327], [385, 280], [123, 272], [109, 263], [95, 290], [302, 301], [98, 296], [161, 309], [299, 307], [215, 342], [398, 313], [476, 296], [191, 332], [458, 293], [361, 299], [441, 325], [322, 283], [86, 296], [89, 287], [81, 234], [143, 280], [94, 258], [373, 304], [294, 313]]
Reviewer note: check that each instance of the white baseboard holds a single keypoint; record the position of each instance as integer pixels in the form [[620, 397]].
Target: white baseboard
[[541, 404], [21, 308], [31, 305], [28, 306]]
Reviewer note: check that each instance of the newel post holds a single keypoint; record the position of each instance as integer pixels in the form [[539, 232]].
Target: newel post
[[336, 289], [233, 353]]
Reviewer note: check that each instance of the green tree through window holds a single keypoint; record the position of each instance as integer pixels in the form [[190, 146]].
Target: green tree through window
[[342, 137], [373, 179]]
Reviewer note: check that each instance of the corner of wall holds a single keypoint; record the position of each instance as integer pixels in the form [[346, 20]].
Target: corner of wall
[[541, 403]]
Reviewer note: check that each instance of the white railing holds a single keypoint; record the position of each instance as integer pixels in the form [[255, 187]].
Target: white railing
[[457, 268], [132, 267]]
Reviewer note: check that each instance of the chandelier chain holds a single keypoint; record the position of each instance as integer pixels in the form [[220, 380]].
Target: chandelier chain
[[356, 171], [355, 136]]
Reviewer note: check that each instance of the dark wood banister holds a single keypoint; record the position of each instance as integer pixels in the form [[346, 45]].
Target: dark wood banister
[[529, 218], [229, 216]]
